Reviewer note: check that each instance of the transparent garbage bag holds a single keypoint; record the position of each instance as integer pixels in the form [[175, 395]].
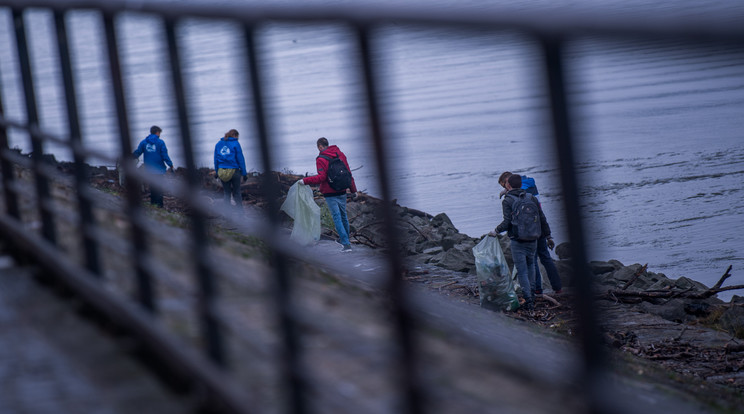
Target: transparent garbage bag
[[495, 285], [306, 214]]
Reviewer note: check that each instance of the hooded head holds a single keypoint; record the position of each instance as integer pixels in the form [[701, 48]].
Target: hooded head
[[231, 135]]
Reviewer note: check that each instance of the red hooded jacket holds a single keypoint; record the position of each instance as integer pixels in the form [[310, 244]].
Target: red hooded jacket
[[322, 166]]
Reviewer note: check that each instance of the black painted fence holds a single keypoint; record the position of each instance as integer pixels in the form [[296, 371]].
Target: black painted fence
[[549, 32]]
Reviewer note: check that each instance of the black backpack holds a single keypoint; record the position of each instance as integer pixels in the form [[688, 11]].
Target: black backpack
[[525, 218], [339, 177]]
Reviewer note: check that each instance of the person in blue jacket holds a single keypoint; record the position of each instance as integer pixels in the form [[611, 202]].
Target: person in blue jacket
[[543, 243], [155, 158], [229, 164]]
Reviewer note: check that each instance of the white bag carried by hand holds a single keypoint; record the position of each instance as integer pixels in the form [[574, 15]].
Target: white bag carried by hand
[[306, 214]]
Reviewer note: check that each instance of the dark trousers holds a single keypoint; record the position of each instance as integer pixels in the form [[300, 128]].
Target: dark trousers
[[543, 253], [156, 196], [232, 187]]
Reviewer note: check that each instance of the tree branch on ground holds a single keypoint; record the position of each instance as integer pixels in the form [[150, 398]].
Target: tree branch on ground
[[622, 295]]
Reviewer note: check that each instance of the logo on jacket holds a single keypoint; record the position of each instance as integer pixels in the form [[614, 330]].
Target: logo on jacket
[[150, 147], [224, 151]]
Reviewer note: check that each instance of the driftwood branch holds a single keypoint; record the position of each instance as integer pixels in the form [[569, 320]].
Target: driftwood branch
[[635, 277], [729, 348], [417, 229], [367, 242], [678, 355], [622, 295], [710, 292], [374, 223], [447, 284], [726, 275], [552, 300]]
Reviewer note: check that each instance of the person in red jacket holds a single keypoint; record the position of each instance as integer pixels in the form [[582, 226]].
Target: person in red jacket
[[335, 199]]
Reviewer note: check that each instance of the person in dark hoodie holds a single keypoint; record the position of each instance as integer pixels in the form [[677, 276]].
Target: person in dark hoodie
[[335, 199], [544, 243], [229, 164], [523, 252], [155, 158]]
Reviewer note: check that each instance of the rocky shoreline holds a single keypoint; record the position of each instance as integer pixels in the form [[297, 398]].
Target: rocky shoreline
[[678, 323]]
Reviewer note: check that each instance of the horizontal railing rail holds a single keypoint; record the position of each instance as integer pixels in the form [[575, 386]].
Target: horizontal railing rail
[[596, 22]]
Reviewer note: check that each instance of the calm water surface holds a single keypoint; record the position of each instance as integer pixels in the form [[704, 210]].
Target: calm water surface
[[659, 124]]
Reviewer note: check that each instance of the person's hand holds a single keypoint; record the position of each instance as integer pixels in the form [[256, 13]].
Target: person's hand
[[300, 182], [551, 243], [502, 193], [245, 178], [493, 233], [172, 170], [354, 196]]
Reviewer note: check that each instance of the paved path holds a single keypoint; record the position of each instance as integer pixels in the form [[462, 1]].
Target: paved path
[[54, 361]]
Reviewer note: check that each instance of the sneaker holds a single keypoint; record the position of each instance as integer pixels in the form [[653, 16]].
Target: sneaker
[[558, 292], [538, 293], [338, 242], [346, 248]]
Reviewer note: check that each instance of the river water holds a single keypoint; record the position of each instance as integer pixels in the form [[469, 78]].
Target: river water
[[659, 124]]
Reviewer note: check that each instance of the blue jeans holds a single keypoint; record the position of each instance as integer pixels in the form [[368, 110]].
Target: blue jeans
[[543, 253], [523, 254], [232, 188], [337, 205]]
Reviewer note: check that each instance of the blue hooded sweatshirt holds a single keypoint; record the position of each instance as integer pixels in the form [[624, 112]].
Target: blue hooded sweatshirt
[[156, 154], [528, 184], [229, 154]]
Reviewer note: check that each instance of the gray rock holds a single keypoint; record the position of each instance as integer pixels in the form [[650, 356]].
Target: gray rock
[[607, 280], [563, 251], [687, 283], [466, 245], [600, 268], [616, 263], [422, 246], [626, 273], [417, 221], [454, 259], [565, 271], [433, 250], [441, 219], [653, 284], [672, 310], [732, 320], [447, 243]]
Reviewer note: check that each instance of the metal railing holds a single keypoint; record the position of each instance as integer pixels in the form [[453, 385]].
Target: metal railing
[[550, 32]]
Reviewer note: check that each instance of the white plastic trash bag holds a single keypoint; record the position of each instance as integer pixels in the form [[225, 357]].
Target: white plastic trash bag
[[306, 214], [495, 285]]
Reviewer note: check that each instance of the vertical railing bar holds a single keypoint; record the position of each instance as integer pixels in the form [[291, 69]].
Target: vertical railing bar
[[6, 167], [134, 211], [82, 173], [593, 351], [290, 360], [402, 314], [207, 286], [46, 213]]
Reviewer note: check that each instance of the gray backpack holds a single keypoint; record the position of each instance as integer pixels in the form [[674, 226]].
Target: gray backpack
[[525, 218]]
